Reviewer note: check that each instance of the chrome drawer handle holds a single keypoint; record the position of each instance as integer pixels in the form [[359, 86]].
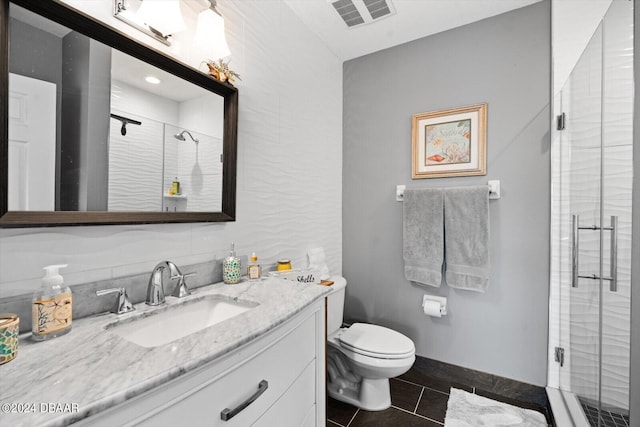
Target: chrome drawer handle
[[227, 413]]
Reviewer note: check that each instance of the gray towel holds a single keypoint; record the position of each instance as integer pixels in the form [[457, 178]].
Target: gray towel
[[423, 236], [466, 225]]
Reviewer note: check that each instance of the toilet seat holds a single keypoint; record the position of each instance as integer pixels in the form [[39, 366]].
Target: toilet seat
[[376, 341]]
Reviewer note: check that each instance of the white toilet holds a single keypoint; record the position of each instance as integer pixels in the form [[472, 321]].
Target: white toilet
[[362, 357]]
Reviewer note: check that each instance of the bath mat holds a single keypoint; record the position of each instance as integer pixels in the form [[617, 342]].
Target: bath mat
[[470, 410]]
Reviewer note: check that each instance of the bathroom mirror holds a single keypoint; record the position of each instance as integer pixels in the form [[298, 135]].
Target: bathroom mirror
[[86, 140]]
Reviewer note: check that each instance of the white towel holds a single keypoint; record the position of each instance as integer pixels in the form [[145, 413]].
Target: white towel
[[318, 261]]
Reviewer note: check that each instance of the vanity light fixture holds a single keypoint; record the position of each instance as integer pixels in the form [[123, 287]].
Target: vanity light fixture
[[163, 16], [210, 33], [158, 19]]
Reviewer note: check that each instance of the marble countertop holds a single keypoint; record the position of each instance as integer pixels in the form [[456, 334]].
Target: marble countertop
[[63, 380]]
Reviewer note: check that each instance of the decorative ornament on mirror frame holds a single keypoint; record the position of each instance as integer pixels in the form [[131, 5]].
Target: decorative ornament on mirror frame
[[220, 71]]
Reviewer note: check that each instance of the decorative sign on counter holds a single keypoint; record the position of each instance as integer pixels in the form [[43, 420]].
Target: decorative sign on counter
[[300, 276]]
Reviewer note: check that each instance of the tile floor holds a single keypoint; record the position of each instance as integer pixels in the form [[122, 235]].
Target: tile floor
[[416, 400]]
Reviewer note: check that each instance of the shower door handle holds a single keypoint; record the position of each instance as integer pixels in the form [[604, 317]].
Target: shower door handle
[[613, 265], [613, 253], [575, 248]]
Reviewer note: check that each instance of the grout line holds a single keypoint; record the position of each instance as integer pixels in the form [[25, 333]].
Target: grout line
[[422, 385], [417, 415], [354, 415], [409, 382], [418, 402]]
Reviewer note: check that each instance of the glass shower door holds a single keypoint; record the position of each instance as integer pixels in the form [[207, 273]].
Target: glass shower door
[[591, 222], [580, 145], [617, 160]]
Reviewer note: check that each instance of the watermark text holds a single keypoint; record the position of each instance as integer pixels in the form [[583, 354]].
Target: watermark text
[[38, 407]]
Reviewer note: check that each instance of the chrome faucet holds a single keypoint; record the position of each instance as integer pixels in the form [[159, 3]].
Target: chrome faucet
[[155, 289]]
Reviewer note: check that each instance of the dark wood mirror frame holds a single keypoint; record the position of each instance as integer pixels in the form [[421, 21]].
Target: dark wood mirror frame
[[99, 31]]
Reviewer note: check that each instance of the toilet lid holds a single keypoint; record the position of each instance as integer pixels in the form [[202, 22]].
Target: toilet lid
[[376, 341]]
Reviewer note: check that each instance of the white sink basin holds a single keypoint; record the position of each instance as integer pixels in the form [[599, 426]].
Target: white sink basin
[[171, 323]]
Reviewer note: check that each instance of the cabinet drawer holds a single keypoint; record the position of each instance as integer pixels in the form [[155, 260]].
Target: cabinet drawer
[[279, 364], [292, 408]]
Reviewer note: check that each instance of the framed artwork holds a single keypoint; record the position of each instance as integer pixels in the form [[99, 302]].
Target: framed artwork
[[449, 143]]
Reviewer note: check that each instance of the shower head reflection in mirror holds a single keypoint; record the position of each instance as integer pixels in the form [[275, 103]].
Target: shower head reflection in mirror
[[180, 136]]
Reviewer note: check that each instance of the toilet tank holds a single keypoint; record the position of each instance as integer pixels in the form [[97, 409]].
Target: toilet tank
[[335, 304]]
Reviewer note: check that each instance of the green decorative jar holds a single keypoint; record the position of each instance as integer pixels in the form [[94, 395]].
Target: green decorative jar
[[231, 268], [9, 329]]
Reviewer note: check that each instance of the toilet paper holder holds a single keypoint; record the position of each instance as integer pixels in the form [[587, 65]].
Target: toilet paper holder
[[441, 300]]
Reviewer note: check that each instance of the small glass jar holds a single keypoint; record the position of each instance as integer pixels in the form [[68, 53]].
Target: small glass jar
[[283, 265]]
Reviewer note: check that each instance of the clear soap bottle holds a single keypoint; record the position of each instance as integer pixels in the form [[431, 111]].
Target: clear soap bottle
[[254, 270], [52, 306]]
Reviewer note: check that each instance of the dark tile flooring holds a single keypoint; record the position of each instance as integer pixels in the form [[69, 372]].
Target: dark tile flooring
[[416, 400]]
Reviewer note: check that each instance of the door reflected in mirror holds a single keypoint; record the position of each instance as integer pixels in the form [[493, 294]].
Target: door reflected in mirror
[[94, 129]]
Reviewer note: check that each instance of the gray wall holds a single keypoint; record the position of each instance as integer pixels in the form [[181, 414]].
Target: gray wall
[[505, 62], [634, 402]]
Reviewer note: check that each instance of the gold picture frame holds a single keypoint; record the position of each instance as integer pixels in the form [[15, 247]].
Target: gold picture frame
[[449, 143]]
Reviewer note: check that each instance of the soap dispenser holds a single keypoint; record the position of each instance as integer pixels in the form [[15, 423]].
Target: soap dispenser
[[231, 268], [52, 306], [254, 271]]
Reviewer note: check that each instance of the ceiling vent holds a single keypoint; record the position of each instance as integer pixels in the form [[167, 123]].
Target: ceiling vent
[[358, 12], [377, 8]]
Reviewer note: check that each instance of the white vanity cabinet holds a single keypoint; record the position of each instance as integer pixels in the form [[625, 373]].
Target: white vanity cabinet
[[282, 370]]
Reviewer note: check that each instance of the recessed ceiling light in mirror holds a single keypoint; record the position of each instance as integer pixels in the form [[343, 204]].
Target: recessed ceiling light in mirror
[[152, 80]]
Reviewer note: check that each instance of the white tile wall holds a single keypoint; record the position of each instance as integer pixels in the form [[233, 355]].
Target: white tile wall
[[135, 164], [289, 164]]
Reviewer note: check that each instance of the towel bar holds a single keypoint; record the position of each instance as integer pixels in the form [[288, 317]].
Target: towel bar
[[494, 190]]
